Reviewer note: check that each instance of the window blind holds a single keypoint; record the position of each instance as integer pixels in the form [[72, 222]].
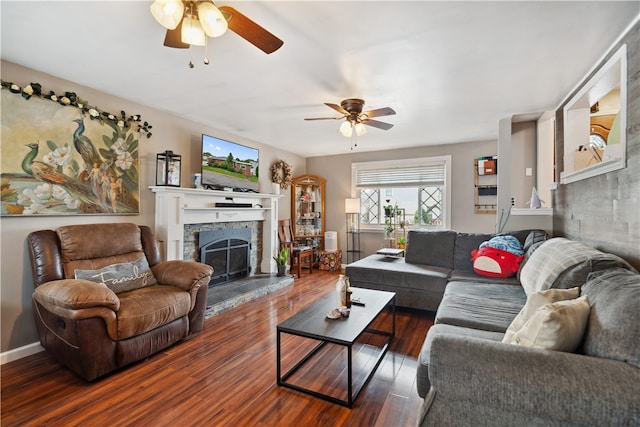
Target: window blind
[[428, 175]]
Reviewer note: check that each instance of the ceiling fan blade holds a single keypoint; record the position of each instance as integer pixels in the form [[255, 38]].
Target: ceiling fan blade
[[173, 38], [338, 108], [386, 111], [250, 31], [377, 124], [325, 118]]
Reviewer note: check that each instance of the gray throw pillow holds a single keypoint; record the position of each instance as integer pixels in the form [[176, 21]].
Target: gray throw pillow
[[613, 329], [122, 277], [534, 237]]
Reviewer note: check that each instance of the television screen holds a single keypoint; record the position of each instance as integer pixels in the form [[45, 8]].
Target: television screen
[[227, 165]]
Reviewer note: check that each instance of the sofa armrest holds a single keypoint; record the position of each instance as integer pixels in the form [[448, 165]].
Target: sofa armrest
[[186, 275], [78, 299], [75, 294], [566, 387]]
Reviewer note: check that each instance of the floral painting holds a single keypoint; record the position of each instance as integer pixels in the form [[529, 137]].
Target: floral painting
[[65, 157]]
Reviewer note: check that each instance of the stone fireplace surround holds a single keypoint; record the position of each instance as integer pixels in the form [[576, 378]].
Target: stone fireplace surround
[[177, 207]]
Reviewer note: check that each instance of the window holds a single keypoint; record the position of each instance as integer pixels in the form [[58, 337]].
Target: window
[[419, 186]]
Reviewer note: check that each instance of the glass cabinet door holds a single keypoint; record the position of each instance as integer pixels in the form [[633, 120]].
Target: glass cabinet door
[[307, 206]]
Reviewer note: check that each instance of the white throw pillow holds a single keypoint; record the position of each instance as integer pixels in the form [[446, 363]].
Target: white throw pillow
[[556, 326], [534, 302]]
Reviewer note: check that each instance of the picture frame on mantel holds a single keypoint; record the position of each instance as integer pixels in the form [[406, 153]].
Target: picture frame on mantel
[[59, 156]]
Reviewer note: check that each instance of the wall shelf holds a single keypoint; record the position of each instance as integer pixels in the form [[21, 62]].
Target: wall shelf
[[532, 212], [485, 191]]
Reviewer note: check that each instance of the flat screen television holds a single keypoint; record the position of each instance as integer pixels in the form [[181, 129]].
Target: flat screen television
[[228, 165]]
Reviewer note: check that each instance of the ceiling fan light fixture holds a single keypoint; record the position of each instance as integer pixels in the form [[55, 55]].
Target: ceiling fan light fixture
[[346, 129], [211, 19], [168, 13], [360, 129], [192, 32]]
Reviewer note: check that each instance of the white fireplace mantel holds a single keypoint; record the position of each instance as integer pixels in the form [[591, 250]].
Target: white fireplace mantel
[[177, 206]]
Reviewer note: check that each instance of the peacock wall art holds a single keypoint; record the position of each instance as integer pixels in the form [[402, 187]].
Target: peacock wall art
[[63, 157]]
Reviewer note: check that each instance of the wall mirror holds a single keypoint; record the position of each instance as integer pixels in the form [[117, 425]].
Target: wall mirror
[[595, 123]]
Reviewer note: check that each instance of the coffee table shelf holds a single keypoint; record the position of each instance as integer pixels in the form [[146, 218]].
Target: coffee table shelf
[[311, 323]]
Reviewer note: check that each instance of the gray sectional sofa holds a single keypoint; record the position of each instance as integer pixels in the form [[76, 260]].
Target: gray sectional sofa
[[432, 259], [468, 376]]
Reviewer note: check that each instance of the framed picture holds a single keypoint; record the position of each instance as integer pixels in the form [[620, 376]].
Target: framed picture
[[64, 157]]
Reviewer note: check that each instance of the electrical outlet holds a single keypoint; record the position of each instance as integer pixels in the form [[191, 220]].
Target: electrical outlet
[[513, 201]]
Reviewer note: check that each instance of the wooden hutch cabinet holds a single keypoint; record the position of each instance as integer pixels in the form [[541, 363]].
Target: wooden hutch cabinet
[[307, 211]]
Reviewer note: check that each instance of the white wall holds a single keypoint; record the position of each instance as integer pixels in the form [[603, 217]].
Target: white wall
[[545, 175], [523, 156], [169, 133]]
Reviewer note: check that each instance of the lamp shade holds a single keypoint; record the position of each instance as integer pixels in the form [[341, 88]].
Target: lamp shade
[[167, 12], [211, 18], [352, 205], [192, 32], [346, 129], [360, 129]]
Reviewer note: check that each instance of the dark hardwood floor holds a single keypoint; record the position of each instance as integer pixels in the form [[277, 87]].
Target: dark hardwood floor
[[224, 376]]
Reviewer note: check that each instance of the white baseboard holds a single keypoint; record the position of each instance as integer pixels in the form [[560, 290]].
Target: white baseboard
[[20, 352]]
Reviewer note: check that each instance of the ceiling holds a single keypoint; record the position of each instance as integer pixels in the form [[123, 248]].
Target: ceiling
[[450, 70]]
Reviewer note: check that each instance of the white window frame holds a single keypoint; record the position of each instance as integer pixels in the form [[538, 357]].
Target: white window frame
[[391, 164]]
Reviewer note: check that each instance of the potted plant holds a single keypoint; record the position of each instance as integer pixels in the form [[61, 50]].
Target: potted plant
[[402, 242], [389, 209], [388, 228], [282, 260]]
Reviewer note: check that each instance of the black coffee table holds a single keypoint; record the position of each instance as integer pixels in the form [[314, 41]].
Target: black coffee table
[[312, 323]]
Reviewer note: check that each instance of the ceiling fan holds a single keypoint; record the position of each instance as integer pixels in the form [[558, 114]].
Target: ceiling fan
[[190, 22], [351, 110]]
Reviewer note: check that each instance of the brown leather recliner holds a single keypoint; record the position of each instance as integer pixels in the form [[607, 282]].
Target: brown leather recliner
[[88, 327]]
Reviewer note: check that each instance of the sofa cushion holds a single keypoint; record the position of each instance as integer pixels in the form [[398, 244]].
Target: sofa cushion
[[416, 285], [86, 241], [423, 382], [490, 307], [556, 256], [464, 244], [577, 274], [613, 330], [121, 277], [556, 326], [534, 302], [146, 309], [431, 248]]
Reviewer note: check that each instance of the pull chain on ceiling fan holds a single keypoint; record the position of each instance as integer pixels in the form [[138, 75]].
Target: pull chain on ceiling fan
[[190, 22], [356, 119]]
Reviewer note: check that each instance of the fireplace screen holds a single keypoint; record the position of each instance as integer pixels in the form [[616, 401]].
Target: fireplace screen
[[228, 252]]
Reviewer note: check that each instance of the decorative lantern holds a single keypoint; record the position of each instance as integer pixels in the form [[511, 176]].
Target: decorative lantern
[[168, 169]]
